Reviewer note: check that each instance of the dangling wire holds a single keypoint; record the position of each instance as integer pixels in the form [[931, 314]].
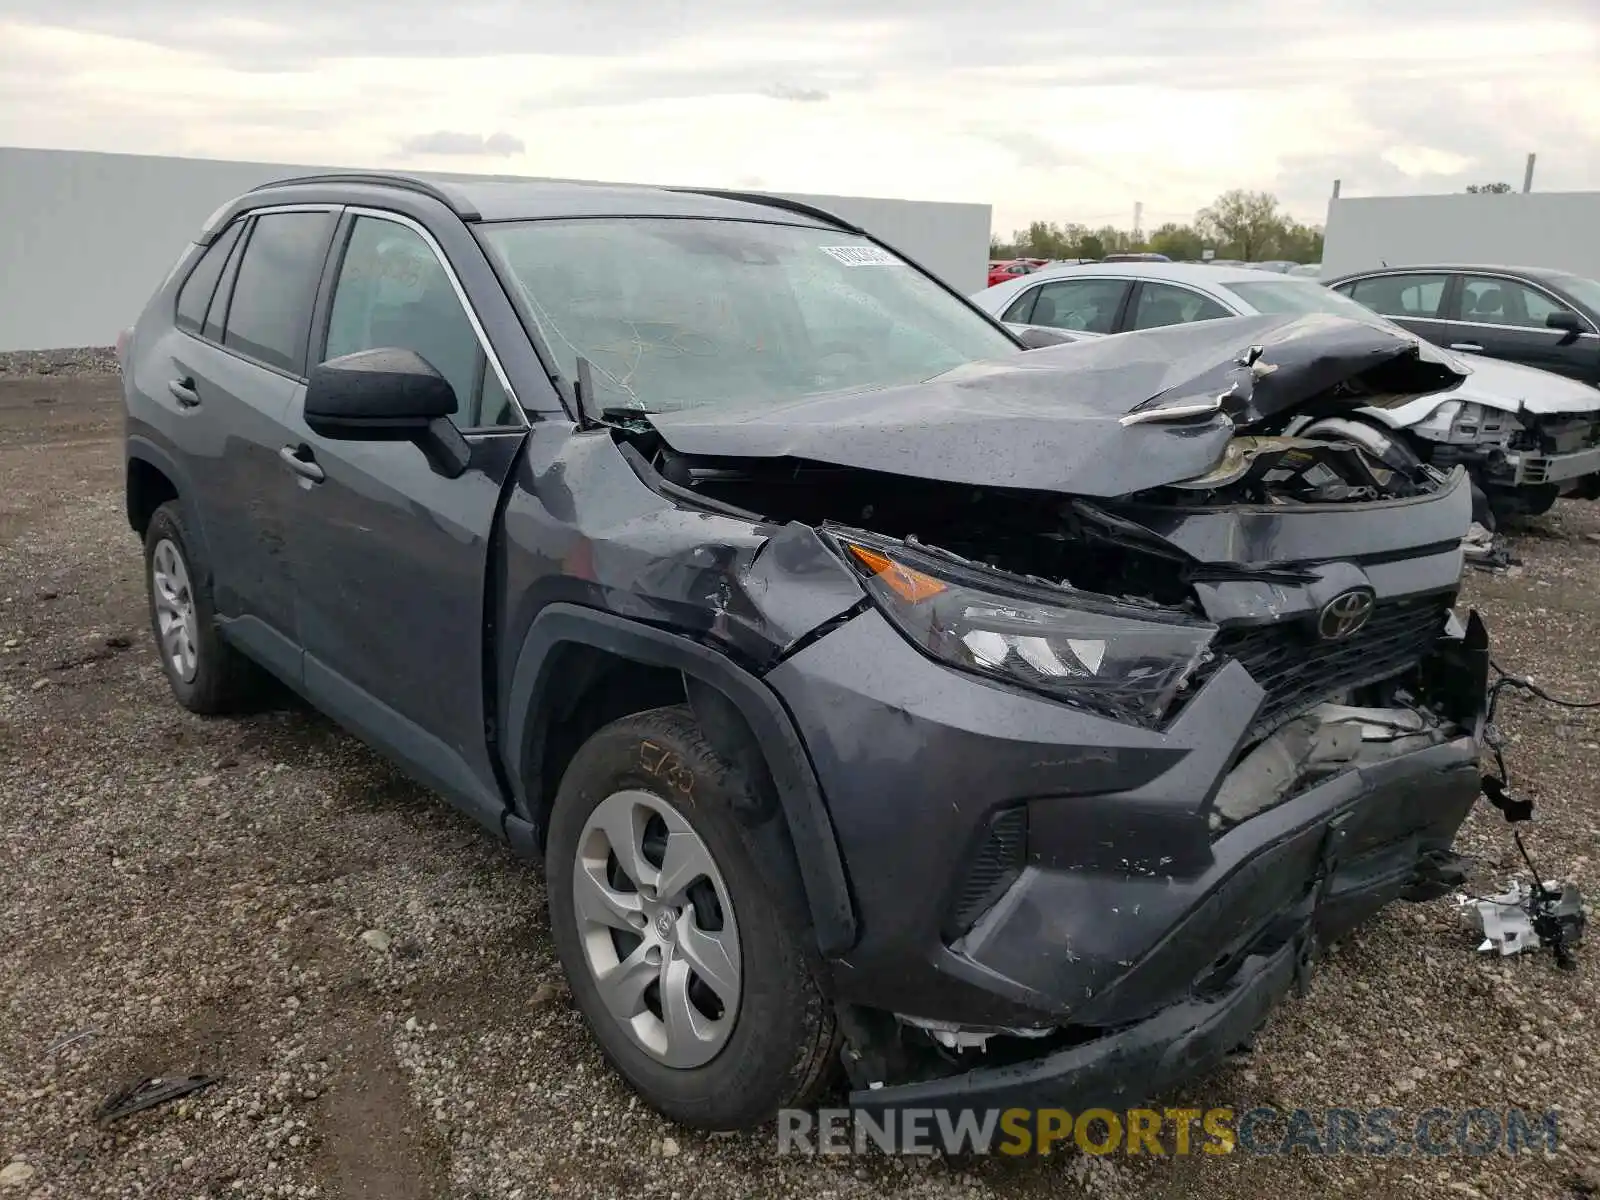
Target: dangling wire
[[1497, 788]]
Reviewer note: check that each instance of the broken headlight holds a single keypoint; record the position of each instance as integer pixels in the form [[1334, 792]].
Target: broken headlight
[[1123, 660]]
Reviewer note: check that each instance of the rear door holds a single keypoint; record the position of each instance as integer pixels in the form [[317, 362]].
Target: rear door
[[392, 557], [232, 367], [1079, 305], [1418, 301], [1506, 318]]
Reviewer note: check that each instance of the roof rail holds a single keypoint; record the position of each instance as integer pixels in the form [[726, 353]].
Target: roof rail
[[783, 202], [409, 183]]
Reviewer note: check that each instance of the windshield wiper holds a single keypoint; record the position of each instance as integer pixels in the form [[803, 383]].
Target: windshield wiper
[[591, 415]]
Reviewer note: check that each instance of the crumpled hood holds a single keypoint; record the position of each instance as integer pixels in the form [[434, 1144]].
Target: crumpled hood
[[1052, 419]]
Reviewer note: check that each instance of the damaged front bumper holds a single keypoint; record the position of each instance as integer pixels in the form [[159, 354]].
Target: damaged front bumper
[[1533, 469], [1134, 940], [1284, 885]]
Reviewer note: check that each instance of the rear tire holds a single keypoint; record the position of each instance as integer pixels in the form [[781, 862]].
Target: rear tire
[[724, 1050], [208, 676]]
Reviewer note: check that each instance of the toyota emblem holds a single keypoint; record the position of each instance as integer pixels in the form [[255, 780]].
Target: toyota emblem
[[1345, 614]]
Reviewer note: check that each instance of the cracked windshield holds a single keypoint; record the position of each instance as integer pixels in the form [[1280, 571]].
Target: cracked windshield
[[675, 314]]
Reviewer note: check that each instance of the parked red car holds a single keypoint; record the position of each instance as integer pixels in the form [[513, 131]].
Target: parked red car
[[1009, 268]]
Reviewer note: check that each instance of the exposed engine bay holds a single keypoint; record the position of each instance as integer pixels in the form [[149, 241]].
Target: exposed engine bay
[[1052, 538]]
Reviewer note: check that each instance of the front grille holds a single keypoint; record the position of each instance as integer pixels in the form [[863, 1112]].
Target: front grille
[[993, 869], [1299, 670]]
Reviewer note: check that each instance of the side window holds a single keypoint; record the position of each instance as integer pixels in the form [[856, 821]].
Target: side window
[[1162, 304], [194, 297], [1401, 295], [1491, 301], [270, 312], [1022, 307], [1089, 305], [393, 291]]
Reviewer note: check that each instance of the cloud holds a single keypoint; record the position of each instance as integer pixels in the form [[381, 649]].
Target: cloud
[[446, 141], [1071, 117], [800, 95]]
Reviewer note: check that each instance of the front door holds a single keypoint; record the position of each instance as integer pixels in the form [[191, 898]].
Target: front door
[[1507, 318], [392, 557]]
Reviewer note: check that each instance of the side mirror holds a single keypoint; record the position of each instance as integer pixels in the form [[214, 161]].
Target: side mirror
[[1037, 338], [387, 395], [377, 395], [1568, 321]]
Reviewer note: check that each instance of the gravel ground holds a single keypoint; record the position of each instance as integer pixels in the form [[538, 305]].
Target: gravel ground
[[265, 900], [56, 364]]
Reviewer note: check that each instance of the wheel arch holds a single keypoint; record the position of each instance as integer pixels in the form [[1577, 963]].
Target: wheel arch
[[569, 651], [153, 478]]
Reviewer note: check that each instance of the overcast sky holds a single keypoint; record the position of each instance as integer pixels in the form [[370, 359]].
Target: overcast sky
[[1060, 111]]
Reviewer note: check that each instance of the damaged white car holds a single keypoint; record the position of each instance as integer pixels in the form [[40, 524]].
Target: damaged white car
[[1526, 436]]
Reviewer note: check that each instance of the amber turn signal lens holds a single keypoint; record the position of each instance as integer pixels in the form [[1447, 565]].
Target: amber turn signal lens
[[911, 586]]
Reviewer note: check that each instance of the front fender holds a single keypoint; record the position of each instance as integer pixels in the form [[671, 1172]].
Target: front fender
[[816, 849]]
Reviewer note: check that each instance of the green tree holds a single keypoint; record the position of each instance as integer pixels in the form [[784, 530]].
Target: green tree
[[1177, 242], [1243, 225], [1489, 187], [1300, 243], [1115, 241]]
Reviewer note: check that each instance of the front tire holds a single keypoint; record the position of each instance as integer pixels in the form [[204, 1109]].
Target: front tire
[[688, 974], [207, 675]]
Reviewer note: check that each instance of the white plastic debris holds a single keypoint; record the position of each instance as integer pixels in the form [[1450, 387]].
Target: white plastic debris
[[1504, 920]]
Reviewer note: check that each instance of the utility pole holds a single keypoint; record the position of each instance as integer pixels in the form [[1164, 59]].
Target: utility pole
[[1527, 176], [1138, 220]]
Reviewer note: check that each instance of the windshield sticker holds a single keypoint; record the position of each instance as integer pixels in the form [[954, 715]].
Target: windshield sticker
[[862, 256]]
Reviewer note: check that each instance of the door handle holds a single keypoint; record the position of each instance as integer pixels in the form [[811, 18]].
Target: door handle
[[1466, 346], [303, 467], [183, 392]]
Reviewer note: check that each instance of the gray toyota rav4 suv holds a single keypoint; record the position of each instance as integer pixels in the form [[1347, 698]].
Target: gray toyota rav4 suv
[[885, 699]]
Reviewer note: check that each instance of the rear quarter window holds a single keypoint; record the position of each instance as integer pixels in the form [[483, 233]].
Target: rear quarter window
[[194, 297]]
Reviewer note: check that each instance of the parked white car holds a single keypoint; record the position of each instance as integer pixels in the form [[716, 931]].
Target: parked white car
[[1527, 436]]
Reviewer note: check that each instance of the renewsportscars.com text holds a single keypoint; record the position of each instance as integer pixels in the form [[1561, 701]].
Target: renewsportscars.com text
[[1376, 1132]]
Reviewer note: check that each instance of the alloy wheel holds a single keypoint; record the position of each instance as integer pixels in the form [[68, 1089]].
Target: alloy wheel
[[176, 625]]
